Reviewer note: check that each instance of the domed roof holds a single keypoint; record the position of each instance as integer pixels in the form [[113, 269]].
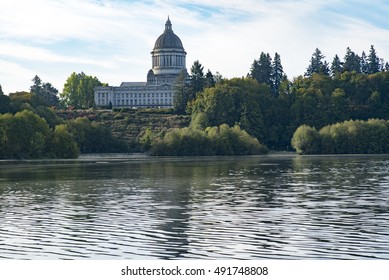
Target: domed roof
[[168, 40]]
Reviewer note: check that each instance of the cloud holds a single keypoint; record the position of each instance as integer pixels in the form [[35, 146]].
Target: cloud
[[113, 39], [12, 75]]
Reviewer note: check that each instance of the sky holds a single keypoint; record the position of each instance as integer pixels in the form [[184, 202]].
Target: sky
[[112, 39]]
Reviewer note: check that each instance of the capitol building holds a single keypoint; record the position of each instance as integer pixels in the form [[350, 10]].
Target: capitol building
[[168, 62]]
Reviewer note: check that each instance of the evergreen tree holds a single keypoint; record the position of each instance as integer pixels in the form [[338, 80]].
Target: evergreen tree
[[386, 68], [317, 65], [382, 65], [45, 92], [197, 79], [5, 102], [336, 66], [209, 79], [277, 74], [180, 97], [352, 62], [364, 64], [373, 61], [261, 69], [218, 78], [36, 87]]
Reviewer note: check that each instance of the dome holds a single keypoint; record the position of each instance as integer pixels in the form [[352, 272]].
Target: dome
[[168, 40]]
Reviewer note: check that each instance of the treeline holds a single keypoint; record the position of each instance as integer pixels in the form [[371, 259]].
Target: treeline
[[30, 127], [270, 107], [26, 135], [349, 137], [352, 62], [264, 104], [217, 140]]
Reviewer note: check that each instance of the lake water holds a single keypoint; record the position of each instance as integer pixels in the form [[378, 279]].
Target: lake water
[[267, 207]]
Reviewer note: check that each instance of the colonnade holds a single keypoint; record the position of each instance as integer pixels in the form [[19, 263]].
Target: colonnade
[[169, 60]]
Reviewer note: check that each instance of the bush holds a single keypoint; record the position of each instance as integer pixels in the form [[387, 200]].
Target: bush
[[306, 140], [221, 140], [349, 137]]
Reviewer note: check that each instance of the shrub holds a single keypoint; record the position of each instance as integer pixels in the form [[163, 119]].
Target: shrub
[[306, 140], [218, 140], [349, 137]]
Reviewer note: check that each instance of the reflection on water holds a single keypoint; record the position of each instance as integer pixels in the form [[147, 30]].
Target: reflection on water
[[201, 208]]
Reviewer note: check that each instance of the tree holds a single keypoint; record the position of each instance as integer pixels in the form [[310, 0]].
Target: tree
[[218, 78], [5, 102], [352, 62], [23, 135], [364, 64], [181, 96], [373, 61], [336, 66], [146, 139], [5, 145], [386, 68], [63, 144], [45, 92], [197, 79], [277, 75], [209, 79], [92, 137], [230, 102], [78, 90], [37, 86], [20, 98], [261, 69], [317, 65]]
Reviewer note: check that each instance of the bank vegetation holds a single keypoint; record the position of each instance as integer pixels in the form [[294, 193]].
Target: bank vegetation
[[338, 107]]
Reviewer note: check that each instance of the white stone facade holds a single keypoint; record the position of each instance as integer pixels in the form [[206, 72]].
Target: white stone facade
[[168, 62], [134, 96]]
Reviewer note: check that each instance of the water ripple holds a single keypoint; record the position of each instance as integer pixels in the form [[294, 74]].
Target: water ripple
[[230, 208]]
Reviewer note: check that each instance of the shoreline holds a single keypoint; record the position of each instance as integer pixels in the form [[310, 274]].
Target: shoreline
[[137, 157]]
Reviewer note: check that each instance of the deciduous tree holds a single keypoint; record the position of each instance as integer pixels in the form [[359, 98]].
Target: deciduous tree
[[78, 90]]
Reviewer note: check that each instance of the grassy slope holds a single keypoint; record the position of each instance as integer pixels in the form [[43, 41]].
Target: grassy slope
[[130, 125]]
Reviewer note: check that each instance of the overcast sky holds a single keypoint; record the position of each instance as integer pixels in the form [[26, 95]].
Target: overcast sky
[[112, 40]]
